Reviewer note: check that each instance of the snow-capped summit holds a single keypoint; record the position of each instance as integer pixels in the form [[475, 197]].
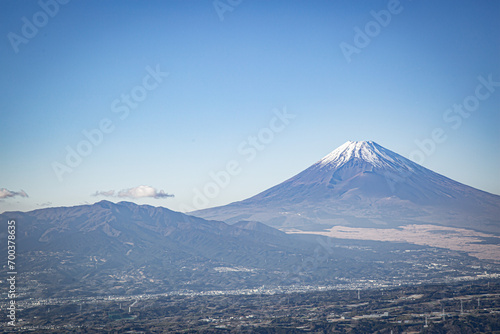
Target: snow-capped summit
[[366, 150], [361, 181]]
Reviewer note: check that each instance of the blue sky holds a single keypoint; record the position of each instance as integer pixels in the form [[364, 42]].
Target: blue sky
[[178, 89]]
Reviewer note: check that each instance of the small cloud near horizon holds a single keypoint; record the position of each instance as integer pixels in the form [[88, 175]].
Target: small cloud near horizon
[[6, 193], [137, 192]]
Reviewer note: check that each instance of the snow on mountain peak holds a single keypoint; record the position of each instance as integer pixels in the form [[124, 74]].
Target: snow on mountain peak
[[368, 151]]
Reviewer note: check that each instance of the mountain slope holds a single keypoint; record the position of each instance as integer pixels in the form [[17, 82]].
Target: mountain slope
[[127, 226], [99, 248], [363, 184]]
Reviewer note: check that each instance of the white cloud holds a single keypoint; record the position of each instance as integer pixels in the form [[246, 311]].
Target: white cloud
[[137, 192], [5, 193]]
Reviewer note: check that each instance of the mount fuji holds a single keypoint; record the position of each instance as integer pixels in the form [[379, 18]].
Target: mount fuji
[[362, 184]]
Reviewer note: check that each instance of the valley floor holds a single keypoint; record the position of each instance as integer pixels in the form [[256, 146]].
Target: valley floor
[[481, 245], [461, 307]]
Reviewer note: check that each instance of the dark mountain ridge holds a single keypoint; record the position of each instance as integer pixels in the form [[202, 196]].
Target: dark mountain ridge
[[98, 248]]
